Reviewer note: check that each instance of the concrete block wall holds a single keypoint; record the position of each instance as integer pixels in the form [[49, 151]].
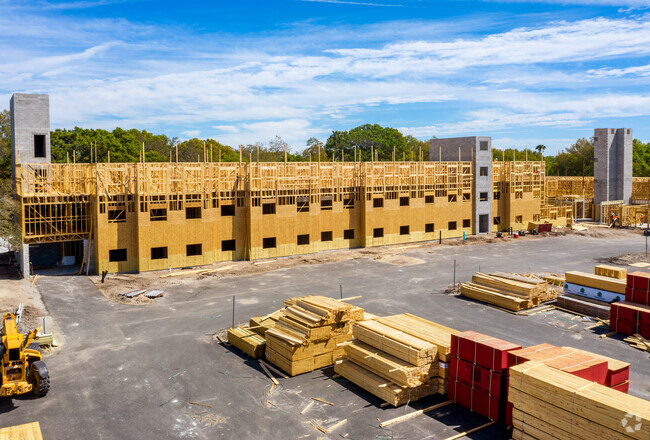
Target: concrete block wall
[[612, 164], [30, 116], [477, 149]]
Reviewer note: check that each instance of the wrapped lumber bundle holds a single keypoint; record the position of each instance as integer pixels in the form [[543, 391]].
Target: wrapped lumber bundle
[[618, 372], [551, 404], [307, 334], [247, 341], [630, 318], [396, 358], [597, 282], [478, 373], [637, 289]]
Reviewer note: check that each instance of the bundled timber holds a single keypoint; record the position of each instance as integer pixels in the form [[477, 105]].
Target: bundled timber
[[396, 370], [584, 306], [549, 403], [437, 334], [381, 387], [596, 281], [519, 288], [395, 342], [260, 324], [490, 296], [611, 271], [247, 341], [396, 358], [308, 332], [618, 372], [509, 291]]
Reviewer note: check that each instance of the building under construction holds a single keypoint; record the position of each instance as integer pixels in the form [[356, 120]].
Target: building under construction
[[121, 217]]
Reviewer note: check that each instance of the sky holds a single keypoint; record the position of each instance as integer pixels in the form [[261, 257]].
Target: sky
[[525, 72]]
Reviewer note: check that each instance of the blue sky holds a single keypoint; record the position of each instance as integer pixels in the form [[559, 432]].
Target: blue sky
[[524, 72]]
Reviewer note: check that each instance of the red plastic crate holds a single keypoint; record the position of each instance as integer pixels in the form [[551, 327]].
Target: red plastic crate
[[483, 350], [476, 400], [477, 377], [622, 387], [639, 280]]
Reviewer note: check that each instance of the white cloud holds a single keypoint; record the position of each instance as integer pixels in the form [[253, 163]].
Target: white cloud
[[551, 75], [191, 133]]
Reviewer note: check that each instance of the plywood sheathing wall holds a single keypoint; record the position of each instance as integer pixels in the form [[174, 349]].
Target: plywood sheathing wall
[[146, 209]]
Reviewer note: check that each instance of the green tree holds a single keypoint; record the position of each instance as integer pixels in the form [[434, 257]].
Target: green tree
[[9, 231], [314, 148], [367, 138], [570, 161], [640, 158], [5, 145], [540, 148]]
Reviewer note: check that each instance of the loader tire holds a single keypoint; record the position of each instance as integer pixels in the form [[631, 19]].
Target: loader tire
[[39, 378]]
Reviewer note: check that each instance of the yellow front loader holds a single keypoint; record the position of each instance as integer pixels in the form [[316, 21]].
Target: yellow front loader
[[22, 370]]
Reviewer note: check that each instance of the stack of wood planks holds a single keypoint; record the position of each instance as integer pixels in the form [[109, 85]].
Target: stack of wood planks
[[591, 294], [478, 373], [399, 358], [618, 372], [251, 340], [307, 334], [611, 271], [509, 291], [552, 404]]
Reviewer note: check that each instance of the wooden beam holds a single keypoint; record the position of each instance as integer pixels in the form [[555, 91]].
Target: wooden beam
[[463, 434], [413, 414]]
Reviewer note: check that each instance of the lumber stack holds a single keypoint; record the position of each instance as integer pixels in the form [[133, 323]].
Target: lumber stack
[[618, 372], [248, 341], [552, 404], [591, 294], [509, 291], [630, 319], [399, 358], [637, 289], [308, 333], [611, 271], [584, 306], [478, 373], [597, 282], [260, 324]]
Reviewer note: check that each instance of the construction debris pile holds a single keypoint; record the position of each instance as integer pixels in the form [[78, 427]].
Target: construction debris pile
[[478, 373], [301, 337], [399, 358], [632, 316], [591, 294], [549, 403], [509, 291]]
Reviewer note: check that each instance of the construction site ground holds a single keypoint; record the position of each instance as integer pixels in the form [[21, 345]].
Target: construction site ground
[[131, 372]]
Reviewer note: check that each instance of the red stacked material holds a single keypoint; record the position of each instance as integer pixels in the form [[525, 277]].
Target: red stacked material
[[618, 372], [629, 318], [477, 378], [566, 359], [638, 288]]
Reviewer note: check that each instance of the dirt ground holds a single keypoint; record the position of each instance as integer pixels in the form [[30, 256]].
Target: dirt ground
[[14, 290], [117, 283]]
